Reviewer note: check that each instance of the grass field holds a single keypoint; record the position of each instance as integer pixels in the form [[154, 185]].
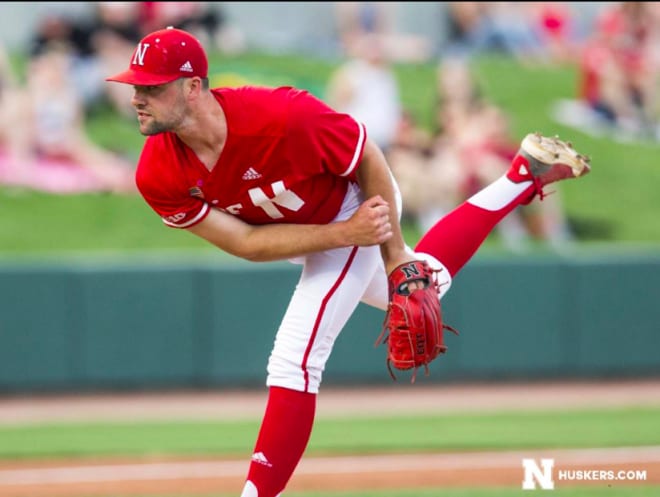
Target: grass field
[[414, 434]]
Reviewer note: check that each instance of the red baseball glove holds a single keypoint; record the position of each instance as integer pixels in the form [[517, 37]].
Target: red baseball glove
[[413, 327]]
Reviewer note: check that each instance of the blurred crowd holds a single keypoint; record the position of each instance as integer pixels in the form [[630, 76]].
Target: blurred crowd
[[616, 59], [617, 89], [44, 143], [615, 54]]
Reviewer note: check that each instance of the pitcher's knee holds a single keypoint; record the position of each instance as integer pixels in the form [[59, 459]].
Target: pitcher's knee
[[285, 373]]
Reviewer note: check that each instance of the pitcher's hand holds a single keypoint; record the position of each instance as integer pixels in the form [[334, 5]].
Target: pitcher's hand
[[370, 224]]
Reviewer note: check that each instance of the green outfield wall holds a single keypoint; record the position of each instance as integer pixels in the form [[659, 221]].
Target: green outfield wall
[[75, 326]]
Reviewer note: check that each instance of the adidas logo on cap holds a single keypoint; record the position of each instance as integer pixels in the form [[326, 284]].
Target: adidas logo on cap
[[186, 67]]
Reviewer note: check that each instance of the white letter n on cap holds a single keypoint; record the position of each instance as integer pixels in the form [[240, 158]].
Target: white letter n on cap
[[140, 51], [533, 472]]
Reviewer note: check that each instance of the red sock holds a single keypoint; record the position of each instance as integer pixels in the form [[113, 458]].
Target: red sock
[[283, 437], [456, 237]]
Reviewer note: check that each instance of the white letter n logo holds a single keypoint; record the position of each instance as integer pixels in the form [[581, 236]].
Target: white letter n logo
[[141, 49], [533, 472], [283, 197]]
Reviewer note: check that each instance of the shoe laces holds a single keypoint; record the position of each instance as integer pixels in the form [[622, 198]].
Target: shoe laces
[[539, 189]]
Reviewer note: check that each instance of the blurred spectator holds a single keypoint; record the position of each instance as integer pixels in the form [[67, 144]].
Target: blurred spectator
[[56, 29], [557, 29], [95, 46], [196, 17], [619, 69], [356, 20], [115, 33], [366, 87], [617, 92], [44, 145], [530, 31], [457, 93], [13, 123], [463, 21], [205, 20], [408, 156], [476, 27]]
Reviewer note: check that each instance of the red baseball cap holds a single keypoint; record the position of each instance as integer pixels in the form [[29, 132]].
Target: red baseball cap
[[163, 56]]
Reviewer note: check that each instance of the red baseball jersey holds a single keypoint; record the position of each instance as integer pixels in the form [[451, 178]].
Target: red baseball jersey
[[288, 158]]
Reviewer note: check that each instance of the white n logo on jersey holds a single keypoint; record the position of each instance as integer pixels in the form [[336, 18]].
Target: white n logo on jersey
[[285, 198], [140, 51]]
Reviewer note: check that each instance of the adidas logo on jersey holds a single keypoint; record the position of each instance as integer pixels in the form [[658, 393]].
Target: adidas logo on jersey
[[186, 67], [250, 174], [260, 458]]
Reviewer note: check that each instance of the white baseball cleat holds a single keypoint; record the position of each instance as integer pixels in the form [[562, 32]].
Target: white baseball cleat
[[546, 160]]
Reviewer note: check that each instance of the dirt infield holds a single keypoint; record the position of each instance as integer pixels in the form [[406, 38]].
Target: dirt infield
[[111, 477]]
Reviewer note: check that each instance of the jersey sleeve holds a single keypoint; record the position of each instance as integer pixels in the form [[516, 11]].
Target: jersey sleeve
[[167, 194], [323, 139]]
